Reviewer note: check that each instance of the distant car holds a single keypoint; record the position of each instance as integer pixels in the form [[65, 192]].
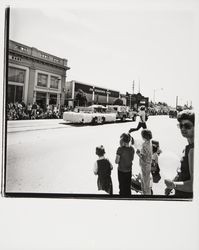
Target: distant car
[[122, 112], [173, 113]]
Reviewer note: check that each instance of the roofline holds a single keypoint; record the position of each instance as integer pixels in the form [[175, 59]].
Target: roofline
[[39, 59], [92, 85]]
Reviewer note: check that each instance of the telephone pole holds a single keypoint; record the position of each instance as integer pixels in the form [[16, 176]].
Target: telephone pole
[[139, 86], [176, 101]]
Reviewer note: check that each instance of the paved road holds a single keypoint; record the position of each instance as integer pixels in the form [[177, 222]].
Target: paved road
[[55, 157], [32, 125]]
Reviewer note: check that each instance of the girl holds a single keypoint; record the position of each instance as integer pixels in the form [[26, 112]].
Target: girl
[[145, 155], [103, 169], [124, 159]]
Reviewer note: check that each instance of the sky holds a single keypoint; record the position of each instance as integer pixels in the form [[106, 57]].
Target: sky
[[112, 44]]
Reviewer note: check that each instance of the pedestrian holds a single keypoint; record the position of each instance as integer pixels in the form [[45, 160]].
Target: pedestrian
[[183, 182], [34, 110], [145, 155], [103, 168], [29, 110], [124, 159], [143, 117]]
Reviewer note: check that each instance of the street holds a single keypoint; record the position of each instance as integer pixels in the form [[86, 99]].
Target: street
[[51, 156]]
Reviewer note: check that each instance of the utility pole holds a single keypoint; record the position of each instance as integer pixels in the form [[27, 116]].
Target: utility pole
[[139, 86], [154, 96], [176, 101], [133, 86]]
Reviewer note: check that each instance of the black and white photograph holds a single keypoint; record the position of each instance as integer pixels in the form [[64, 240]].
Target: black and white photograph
[[100, 102], [99, 124]]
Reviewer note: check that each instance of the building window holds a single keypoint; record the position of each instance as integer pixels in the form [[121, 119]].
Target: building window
[[54, 82], [42, 80], [41, 99], [14, 58], [16, 75]]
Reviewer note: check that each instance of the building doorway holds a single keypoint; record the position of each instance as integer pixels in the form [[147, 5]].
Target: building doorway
[[41, 99], [14, 93]]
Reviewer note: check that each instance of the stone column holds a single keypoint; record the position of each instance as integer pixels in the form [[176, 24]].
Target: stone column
[[31, 97]]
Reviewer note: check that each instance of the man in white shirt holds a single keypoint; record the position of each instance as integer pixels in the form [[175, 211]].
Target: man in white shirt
[[142, 122]]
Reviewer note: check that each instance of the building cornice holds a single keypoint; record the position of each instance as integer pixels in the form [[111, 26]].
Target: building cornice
[[34, 54], [38, 60]]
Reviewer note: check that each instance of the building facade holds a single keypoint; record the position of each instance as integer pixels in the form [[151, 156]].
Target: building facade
[[93, 94], [35, 76], [136, 100], [97, 95]]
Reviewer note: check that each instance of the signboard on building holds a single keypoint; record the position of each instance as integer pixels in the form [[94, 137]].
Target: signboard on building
[[100, 91]]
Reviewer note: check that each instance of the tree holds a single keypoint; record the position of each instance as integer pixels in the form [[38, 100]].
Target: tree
[[118, 101], [80, 98]]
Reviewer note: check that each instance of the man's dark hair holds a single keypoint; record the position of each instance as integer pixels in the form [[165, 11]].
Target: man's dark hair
[[142, 108], [186, 115]]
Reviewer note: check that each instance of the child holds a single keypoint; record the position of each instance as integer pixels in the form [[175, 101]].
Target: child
[[124, 159], [103, 169], [155, 170], [145, 155]]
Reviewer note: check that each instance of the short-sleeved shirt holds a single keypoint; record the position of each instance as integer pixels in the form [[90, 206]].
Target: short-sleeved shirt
[[142, 115], [126, 158], [183, 172]]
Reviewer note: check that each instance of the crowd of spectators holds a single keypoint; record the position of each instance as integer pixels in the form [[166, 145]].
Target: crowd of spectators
[[20, 111]]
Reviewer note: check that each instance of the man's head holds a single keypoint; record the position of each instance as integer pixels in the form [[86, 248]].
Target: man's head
[[186, 124], [142, 108], [186, 115]]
